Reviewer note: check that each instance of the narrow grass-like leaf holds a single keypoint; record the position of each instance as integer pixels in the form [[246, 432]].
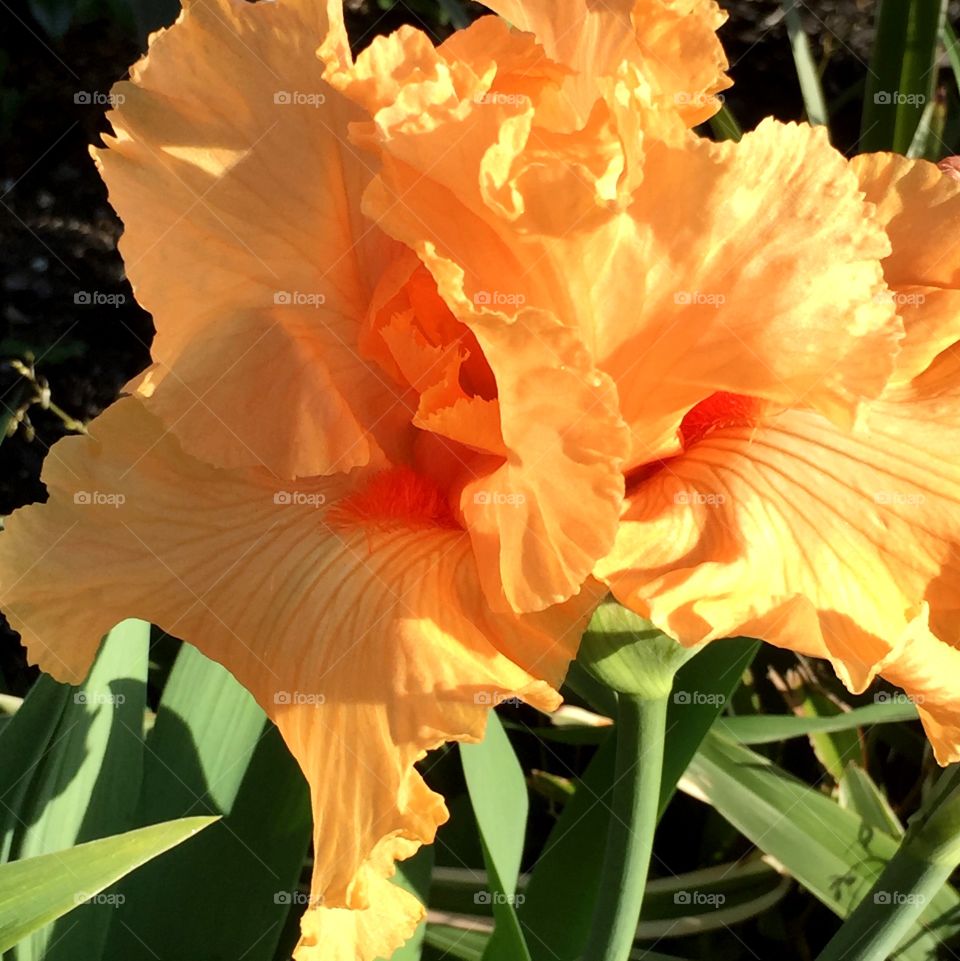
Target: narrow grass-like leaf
[[768, 728], [559, 899], [689, 903], [703, 687], [38, 890], [948, 37], [807, 73], [834, 749], [921, 145], [860, 794], [832, 852], [10, 704], [211, 751], [711, 899], [912, 879], [902, 73], [84, 785], [25, 739], [445, 941], [498, 793]]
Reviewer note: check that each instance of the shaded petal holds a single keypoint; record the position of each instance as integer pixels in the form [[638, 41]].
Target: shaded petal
[[412, 333], [368, 645], [810, 537], [243, 237]]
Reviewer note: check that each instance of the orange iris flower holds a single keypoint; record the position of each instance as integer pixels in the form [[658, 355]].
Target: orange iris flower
[[449, 337], [781, 325]]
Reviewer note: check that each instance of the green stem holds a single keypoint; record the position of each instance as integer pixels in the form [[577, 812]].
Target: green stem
[[641, 727], [71, 423]]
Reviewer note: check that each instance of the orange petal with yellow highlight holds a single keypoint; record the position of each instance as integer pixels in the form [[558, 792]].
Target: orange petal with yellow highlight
[[748, 267], [811, 537], [350, 607]]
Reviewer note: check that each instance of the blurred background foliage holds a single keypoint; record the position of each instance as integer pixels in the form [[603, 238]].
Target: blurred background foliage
[[191, 742]]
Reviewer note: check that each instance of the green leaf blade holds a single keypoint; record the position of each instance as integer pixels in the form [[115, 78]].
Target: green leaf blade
[[498, 793], [36, 891]]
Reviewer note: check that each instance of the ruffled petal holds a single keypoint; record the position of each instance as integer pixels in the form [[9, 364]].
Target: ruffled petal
[[541, 520], [927, 669], [545, 508], [243, 237], [352, 612], [919, 207], [750, 267], [674, 41], [769, 290], [813, 538]]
